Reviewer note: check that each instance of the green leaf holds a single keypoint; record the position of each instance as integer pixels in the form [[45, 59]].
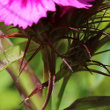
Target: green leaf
[[90, 102], [13, 52]]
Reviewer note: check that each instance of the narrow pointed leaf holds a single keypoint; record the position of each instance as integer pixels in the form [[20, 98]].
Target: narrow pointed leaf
[[90, 102]]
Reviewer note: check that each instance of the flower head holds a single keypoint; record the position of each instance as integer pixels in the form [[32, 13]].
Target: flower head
[[26, 12]]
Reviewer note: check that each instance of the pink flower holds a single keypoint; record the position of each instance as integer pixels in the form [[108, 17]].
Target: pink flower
[[26, 12]]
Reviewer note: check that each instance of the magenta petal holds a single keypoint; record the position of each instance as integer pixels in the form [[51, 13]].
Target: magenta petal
[[74, 3], [24, 12]]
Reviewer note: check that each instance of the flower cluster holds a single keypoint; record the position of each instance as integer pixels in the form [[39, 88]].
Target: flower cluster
[[26, 12]]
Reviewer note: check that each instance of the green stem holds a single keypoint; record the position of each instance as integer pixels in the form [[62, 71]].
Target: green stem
[[62, 89], [26, 85], [27, 82], [45, 53]]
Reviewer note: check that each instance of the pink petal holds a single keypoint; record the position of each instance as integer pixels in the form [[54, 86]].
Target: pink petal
[[74, 3], [24, 12]]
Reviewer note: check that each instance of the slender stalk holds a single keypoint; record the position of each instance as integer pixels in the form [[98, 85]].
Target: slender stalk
[[61, 92], [20, 89], [49, 75], [25, 85], [45, 75]]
